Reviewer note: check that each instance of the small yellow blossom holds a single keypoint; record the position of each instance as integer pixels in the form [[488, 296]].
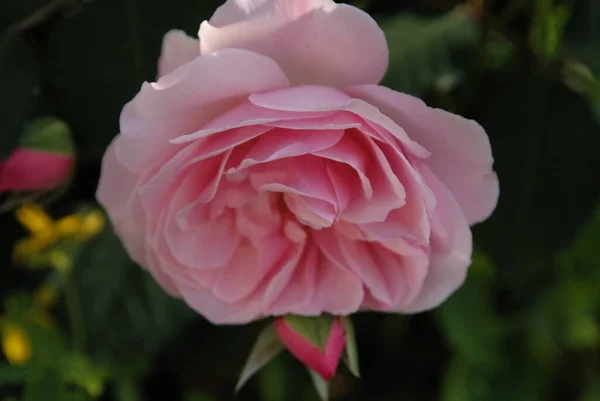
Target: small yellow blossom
[[39, 224], [68, 226], [45, 232], [93, 223], [61, 261], [26, 247], [16, 344]]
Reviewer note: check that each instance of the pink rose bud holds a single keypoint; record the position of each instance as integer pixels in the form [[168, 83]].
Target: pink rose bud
[[316, 342], [43, 160]]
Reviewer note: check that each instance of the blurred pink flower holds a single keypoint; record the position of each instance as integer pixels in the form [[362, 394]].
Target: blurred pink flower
[[266, 172], [34, 170]]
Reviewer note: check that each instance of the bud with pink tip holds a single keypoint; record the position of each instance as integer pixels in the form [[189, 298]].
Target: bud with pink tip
[[316, 342], [43, 160]]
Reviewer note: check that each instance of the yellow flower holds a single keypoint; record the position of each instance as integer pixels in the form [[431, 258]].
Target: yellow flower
[[15, 344], [93, 223], [46, 232], [61, 261], [68, 226], [27, 247], [37, 222]]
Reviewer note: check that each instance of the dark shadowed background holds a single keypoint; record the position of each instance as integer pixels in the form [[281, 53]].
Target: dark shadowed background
[[525, 326]]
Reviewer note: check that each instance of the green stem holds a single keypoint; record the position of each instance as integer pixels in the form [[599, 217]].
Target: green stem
[[40, 15], [15, 201], [74, 313]]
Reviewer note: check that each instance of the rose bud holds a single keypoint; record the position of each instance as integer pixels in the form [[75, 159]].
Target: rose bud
[[316, 342], [42, 161]]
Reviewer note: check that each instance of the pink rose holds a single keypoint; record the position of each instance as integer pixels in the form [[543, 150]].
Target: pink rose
[[266, 173]]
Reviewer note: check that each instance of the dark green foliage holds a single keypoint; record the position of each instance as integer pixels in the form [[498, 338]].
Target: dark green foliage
[[544, 138], [127, 315], [526, 324], [19, 80]]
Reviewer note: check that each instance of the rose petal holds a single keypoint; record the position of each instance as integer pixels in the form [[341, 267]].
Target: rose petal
[[248, 268], [411, 221], [388, 193], [282, 278], [259, 218], [218, 312], [312, 99], [449, 260], [238, 10], [184, 101], [304, 175], [114, 192], [177, 49], [339, 290], [357, 257], [297, 296], [313, 40], [279, 144], [461, 155]]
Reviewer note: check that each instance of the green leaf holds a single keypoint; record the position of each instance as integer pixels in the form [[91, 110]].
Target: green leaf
[[47, 341], [14, 374], [582, 40], [461, 382], [48, 134], [583, 27], [547, 161], [424, 49], [523, 378], [127, 314], [274, 381], [321, 385], [98, 58], [593, 393], [520, 378], [314, 329], [548, 26], [78, 369], [570, 308], [468, 318], [267, 347], [46, 386], [19, 80], [127, 389], [351, 348]]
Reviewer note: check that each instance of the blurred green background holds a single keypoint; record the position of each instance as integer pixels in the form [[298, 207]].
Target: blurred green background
[[80, 321]]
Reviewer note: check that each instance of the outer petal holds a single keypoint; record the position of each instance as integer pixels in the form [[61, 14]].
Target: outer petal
[[114, 194], [184, 101], [239, 10], [452, 246], [178, 49], [461, 156], [218, 312], [315, 41]]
